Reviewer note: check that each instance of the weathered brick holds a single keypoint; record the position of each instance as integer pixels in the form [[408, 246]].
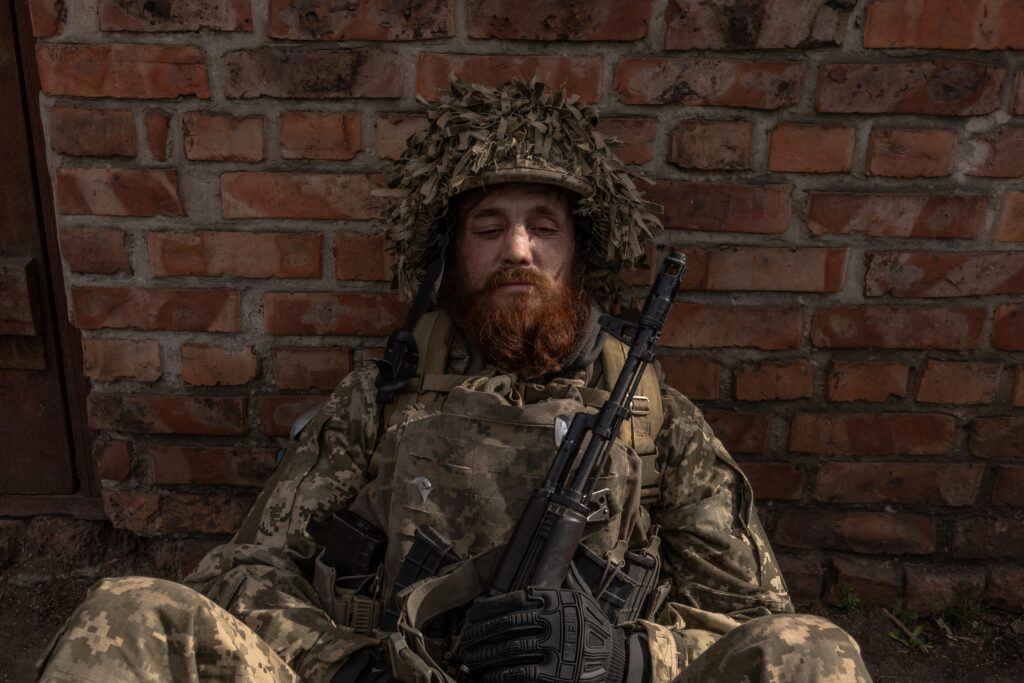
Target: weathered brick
[[1005, 587], [709, 82], [394, 129], [897, 327], [321, 135], [997, 153], [558, 20], [317, 196], [911, 153], [345, 313], [578, 75], [47, 17], [774, 480], [142, 15], [86, 132], [873, 581], [213, 465], [156, 414], [113, 459], [149, 513], [201, 310], [311, 368], [872, 434], [961, 383], [942, 87], [808, 148], [760, 209], [997, 437], [303, 73], [158, 128], [1009, 486], [1011, 224], [235, 254], [770, 24], [208, 366], [945, 24], [741, 432], [896, 215], [365, 20], [696, 378], [635, 135], [931, 589], [944, 274], [988, 538], [1008, 328], [130, 71], [775, 381], [110, 360], [1018, 100], [278, 413], [712, 145], [866, 381], [220, 137], [898, 482], [1018, 389], [118, 192], [95, 250], [361, 257], [803, 577], [767, 269], [882, 533], [709, 326]]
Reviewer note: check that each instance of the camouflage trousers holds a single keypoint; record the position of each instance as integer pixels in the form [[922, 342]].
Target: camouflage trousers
[[143, 629]]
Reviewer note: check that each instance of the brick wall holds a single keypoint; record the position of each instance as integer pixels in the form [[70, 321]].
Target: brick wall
[[845, 177]]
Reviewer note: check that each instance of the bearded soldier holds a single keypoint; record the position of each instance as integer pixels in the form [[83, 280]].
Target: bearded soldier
[[517, 195]]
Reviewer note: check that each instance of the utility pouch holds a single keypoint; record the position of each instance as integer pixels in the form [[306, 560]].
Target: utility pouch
[[354, 546], [348, 600], [620, 591], [430, 552]]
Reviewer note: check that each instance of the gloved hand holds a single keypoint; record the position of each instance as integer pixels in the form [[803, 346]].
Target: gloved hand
[[551, 635], [365, 666]]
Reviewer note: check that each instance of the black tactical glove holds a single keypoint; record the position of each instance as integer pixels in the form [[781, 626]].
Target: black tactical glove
[[550, 635], [365, 666]]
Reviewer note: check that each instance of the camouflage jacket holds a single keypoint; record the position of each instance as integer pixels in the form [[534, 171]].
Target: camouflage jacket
[[714, 550]]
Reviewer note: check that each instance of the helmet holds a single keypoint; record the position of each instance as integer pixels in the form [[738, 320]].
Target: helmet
[[479, 137]]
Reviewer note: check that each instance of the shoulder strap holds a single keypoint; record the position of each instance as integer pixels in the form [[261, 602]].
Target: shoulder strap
[[431, 335]]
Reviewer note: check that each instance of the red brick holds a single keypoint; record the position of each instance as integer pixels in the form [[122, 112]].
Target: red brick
[[872, 434], [897, 327], [394, 130], [344, 313], [158, 128], [95, 250], [696, 378], [303, 73], [47, 17], [896, 215], [945, 274], [110, 360], [1011, 224], [987, 538], [712, 145], [558, 20], [770, 24], [1009, 486], [118, 192], [153, 414], [1018, 389], [709, 82], [997, 438], [803, 577], [130, 71], [200, 310], [898, 482], [945, 24], [213, 465], [361, 257], [866, 381], [1005, 587], [996, 154], [321, 135], [365, 20], [317, 196], [861, 532], [911, 153], [113, 459], [83, 132], [961, 383], [695, 326], [1008, 328], [1018, 106], [635, 135], [768, 269], [774, 480], [278, 413], [806, 148], [311, 368], [931, 589], [774, 381], [873, 581], [642, 274], [208, 366], [149, 513], [236, 254], [762, 209], [142, 15], [215, 137], [741, 432], [942, 87], [578, 75]]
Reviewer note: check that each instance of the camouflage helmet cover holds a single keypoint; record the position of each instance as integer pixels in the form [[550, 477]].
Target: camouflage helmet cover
[[480, 136]]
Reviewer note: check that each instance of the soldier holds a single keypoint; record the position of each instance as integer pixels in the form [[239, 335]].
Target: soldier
[[543, 222]]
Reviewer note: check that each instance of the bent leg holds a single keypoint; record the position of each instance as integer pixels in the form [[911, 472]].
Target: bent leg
[[142, 629], [782, 648]]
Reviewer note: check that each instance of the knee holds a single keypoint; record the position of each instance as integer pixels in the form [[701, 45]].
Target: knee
[[136, 594], [805, 632]]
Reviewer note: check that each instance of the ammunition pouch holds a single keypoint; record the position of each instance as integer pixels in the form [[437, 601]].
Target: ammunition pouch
[[346, 574]]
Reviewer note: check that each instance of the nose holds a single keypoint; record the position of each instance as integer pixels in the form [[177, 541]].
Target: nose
[[518, 246]]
